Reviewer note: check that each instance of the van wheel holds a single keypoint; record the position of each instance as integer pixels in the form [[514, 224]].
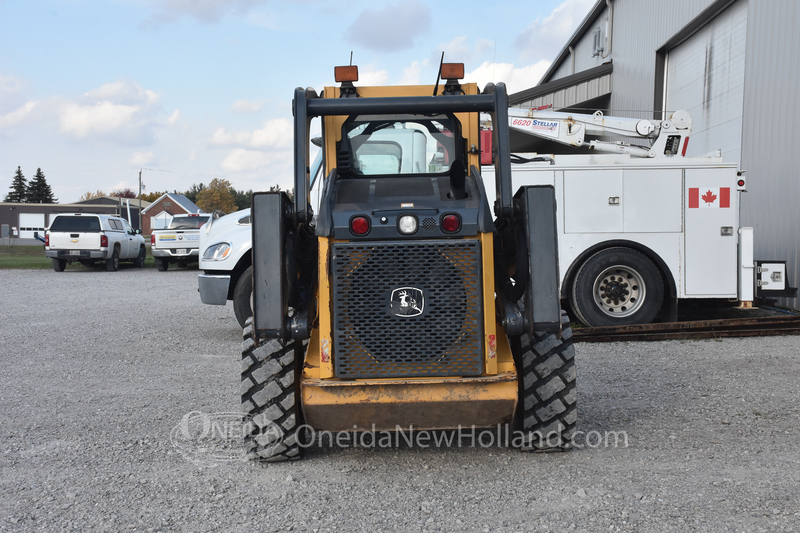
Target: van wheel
[[548, 393], [112, 264], [59, 265], [273, 428], [617, 287], [139, 261], [241, 296], [162, 264]]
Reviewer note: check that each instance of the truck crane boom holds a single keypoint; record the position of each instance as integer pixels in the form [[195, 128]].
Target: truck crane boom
[[667, 137]]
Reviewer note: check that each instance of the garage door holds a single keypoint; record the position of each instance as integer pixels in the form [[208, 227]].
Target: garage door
[[705, 76], [29, 223]]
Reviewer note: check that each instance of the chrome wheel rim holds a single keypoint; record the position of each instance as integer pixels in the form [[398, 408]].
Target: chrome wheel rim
[[619, 291]]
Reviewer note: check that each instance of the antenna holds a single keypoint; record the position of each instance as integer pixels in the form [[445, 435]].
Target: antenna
[[438, 75], [351, 58]]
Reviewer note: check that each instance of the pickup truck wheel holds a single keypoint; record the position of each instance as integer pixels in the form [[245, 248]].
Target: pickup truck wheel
[[139, 261], [241, 296], [273, 428], [617, 287], [112, 264], [59, 265], [161, 264], [547, 389]]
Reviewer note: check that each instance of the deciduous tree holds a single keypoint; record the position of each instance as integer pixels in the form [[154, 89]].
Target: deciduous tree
[[217, 196]]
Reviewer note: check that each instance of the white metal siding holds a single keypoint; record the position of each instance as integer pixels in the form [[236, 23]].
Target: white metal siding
[[705, 76]]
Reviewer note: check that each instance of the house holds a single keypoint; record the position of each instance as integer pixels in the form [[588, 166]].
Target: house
[[122, 206], [733, 64], [158, 214]]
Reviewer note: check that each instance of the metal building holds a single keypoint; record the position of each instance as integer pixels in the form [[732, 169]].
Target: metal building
[[733, 64]]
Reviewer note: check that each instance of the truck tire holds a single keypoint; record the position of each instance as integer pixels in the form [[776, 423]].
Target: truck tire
[[547, 389], [59, 265], [617, 287], [270, 385], [112, 264], [139, 261], [162, 264], [241, 296]]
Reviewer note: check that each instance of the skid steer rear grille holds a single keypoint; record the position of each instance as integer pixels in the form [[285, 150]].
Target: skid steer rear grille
[[409, 309]]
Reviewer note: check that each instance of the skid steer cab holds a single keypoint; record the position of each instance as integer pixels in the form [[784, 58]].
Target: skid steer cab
[[411, 300]]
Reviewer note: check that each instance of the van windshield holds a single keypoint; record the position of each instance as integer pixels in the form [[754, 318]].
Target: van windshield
[[76, 224], [400, 144]]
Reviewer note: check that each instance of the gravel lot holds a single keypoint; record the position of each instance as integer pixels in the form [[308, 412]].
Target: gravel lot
[[100, 369]]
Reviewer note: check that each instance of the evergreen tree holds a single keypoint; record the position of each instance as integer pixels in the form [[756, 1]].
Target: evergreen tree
[[39, 192], [19, 187]]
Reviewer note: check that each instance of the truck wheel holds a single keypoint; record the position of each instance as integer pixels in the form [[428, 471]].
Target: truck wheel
[[617, 287], [241, 296], [162, 264], [270, 398], [59, 265], [139, 261], [547, 389], [112, 264]]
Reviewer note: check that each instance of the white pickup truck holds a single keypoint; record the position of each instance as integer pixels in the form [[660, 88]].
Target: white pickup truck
[[87, 238], [179, 243]]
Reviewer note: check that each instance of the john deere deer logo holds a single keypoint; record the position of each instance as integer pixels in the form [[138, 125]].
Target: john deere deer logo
[[407, 302]]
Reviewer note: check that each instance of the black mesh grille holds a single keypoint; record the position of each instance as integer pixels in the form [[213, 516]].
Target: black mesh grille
[[407, 309], [429, 224]]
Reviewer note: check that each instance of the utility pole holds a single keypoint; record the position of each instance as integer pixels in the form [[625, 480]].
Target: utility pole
[[140, 201]]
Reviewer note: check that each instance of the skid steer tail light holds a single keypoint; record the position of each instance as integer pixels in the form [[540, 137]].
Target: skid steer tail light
[[103, 241], [359, 225], [685, 145], [451, 223]]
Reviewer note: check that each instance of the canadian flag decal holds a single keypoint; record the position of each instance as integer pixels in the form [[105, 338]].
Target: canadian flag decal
[[709, 197]]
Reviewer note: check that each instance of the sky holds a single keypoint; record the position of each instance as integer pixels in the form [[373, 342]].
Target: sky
[[93, 91]]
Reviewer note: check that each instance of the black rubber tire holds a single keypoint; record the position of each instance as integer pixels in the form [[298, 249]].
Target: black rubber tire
[[637, 276], [162, 264], [112, 263], [270, 398], [548, 391], [242, 294], [139, 261], [59, 265]]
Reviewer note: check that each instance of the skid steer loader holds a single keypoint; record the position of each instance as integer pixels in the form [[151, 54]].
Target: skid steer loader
[[405, 302]]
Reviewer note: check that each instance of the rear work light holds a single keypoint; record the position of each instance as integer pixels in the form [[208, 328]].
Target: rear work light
[[342, 74], [103, 241], [452, 71], [451, 223], [359, 225]]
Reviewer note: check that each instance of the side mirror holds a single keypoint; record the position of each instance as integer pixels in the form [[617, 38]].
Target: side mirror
[[138, 232]]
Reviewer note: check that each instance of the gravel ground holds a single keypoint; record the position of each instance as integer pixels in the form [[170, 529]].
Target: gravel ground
[[108, 377]]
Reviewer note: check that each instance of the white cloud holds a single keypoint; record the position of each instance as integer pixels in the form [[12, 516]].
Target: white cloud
[[369, 76], [391, 28], [516, 79], [544, 38], [193, 155], [456, 51], [116, 113], [173, 118], [242, 160], [12, 93], [411, 75], [248, 106], [17, 116], [140, 158], [205, 11], [277, 134]]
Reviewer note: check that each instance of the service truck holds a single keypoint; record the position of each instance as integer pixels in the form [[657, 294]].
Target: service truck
[[641, 227]]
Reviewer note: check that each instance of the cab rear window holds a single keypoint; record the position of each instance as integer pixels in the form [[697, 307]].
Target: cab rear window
[[76, 224], [193, 222]]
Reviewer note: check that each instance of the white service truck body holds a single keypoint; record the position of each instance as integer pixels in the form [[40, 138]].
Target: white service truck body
[[180, 242]]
